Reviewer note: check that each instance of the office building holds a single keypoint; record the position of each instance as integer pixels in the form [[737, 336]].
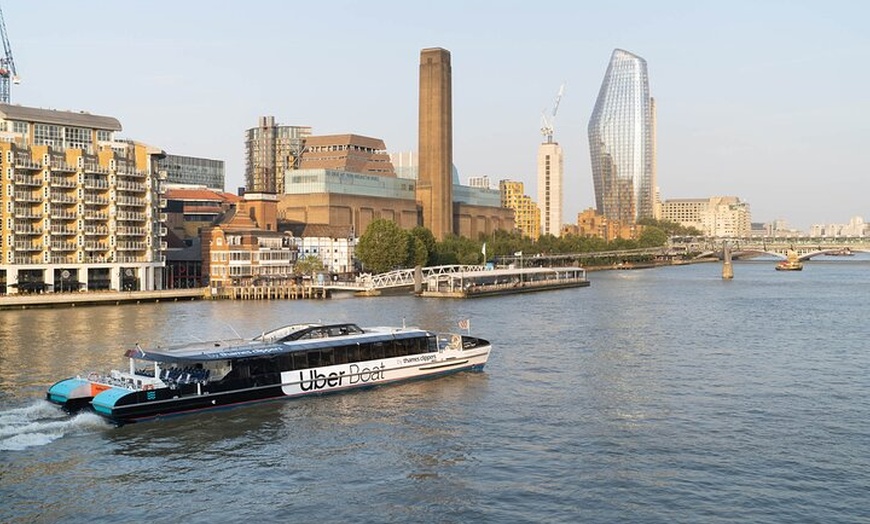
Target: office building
[[80, 209], [724, 217], [621, 141], [270, 150], [193, 171]]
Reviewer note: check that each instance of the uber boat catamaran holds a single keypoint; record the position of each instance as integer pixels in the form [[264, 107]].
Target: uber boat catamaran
[[291, 361]]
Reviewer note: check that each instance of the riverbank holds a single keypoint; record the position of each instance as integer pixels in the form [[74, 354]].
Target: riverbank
[[95, 298]]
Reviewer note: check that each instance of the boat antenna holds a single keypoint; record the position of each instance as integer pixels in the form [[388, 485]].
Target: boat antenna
[[403, 322]]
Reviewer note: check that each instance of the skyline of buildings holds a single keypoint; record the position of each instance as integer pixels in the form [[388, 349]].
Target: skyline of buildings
[[621, 141]]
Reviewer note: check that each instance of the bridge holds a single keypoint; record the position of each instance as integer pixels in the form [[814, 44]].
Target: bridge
[[399, 278], [805, 248]]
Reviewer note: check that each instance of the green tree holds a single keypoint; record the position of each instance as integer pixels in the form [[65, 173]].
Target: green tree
[[308, 265], [429, 243], [383, 246], [652, 236], [417, 253]]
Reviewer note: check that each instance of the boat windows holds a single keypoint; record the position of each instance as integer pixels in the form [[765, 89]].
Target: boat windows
[[340, 354], [326, 357], [378, 350], [353, 353], [300, 360], [314, 358]]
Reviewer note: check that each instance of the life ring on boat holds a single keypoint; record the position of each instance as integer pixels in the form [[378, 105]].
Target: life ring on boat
[[455, 342], [93, 376]]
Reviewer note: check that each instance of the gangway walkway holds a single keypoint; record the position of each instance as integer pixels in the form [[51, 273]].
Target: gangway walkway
[[398, 278]]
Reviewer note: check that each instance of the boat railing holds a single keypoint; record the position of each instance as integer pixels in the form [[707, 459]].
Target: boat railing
[[449, 341], [120, 379]]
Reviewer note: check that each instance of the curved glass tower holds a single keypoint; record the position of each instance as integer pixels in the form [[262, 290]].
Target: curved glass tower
[[621, 141]]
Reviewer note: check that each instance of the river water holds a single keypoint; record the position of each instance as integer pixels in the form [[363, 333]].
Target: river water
[[659, 395]]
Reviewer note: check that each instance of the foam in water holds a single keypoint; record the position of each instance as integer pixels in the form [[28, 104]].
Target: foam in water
[[41, 423]]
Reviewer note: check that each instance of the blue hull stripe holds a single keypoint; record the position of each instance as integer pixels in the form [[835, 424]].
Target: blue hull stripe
[[61, 391], [105, 401]]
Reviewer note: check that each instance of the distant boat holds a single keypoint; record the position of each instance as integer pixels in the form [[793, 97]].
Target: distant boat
[[844, 252], [792, 263]]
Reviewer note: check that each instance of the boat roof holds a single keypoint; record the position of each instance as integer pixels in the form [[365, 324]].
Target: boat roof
[[286, 339]]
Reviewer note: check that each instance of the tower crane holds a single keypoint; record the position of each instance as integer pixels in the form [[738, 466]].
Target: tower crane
[[548, 122], [7, 64]]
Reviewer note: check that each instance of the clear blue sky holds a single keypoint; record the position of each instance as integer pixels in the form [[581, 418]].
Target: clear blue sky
[[765, 100]]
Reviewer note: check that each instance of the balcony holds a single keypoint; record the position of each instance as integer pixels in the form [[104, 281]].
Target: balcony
[[27, 229], [27, 196], [96, 231], [24, 160], [131, 246], [59, 165], [26, 212], [57, 245], [63, 214], [22, 245], [62, 198], [94, 183], [60, 230], [131, 217], [27, 180], [96, 246], [131, 231], [57, 181]]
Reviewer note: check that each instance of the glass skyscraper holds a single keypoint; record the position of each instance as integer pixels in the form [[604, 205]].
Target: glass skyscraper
[[621, 141]]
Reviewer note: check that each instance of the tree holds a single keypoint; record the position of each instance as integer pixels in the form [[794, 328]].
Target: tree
[[429, 243], [417, 253], [308, 265], [652, 236], [383, 247]]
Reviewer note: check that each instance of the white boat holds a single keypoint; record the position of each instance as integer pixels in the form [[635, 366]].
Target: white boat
[[291, 361]]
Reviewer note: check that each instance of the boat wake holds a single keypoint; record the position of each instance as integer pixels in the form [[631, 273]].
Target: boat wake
[[41, 423]]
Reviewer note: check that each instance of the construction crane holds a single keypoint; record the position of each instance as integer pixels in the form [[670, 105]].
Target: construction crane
[[7, 64], [548, 122]]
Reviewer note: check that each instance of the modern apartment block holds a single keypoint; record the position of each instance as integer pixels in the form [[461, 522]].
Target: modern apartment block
[[527, 214], [550, 175], [80, 210], [193, 171], [724, 216], [622, 141], [271, 150]]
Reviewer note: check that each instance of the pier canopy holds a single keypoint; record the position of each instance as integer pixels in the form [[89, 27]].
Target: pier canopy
[[498, 281]]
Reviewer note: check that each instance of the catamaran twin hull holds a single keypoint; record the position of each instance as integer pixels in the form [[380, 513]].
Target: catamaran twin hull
[[288, 362]]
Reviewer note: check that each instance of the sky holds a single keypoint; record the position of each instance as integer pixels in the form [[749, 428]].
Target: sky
[[768, 101]]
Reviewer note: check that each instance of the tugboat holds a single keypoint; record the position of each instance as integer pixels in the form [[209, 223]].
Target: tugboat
[[792, 263]]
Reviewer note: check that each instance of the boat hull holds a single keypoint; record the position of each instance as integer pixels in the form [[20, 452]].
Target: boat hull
[[122, 405]]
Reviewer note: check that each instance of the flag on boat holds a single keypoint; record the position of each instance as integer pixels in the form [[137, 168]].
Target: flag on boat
[[465, 324], [518, 253], [483, 250]]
